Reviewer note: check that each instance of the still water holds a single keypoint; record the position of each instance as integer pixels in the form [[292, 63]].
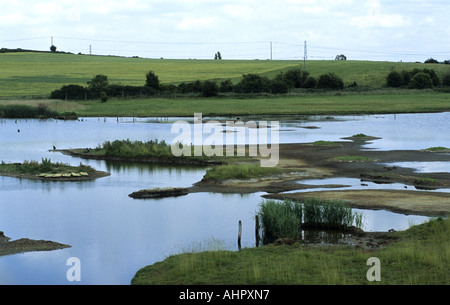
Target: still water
[[114, 235]]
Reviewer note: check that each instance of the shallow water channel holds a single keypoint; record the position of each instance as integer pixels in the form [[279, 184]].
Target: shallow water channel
[[114, 235]]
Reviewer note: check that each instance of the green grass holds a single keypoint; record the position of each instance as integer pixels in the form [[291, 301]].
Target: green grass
[[408, 102], [418, 256], [38, 74], [238, 171], [437, 148], [325, 143]]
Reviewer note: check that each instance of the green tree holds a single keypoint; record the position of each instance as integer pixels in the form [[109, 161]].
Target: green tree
[[98, 83], [152, 81]]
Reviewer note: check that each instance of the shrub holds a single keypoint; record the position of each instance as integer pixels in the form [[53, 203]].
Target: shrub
[[296, 78], [310, 83], [446, 80], [210, 88], [226, 86], [330, 81], [253, 83], [70, 92], [103, 97], [278, 86], [395, 79], [421, 81]]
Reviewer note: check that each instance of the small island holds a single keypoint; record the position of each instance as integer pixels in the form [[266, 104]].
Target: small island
[[23, 245], [361, 137], [47, 170], [159, 193]]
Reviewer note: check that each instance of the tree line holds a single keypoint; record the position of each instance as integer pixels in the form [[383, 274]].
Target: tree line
[[416, 79], [100, 88]]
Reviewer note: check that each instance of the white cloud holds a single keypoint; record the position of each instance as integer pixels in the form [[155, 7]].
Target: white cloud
[[333, 24]]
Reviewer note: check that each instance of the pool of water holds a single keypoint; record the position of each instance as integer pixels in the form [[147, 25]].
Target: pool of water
[[114, 235]]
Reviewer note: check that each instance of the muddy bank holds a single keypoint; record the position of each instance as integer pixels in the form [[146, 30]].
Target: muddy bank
[[23, 245]]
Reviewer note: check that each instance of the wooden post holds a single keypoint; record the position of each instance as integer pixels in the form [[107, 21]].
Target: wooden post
[[257, 230], [239, 235]]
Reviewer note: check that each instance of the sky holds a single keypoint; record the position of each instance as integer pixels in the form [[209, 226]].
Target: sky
[[378, 30]]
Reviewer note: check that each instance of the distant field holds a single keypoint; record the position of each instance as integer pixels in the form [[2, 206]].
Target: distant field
[[25, 75]]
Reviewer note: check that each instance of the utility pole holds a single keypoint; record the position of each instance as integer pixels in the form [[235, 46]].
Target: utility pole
[[305, 56], [271, 50], [52, 40], [90, 49]]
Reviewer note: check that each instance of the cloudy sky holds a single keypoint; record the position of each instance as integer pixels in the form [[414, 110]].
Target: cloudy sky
[[394, 30]]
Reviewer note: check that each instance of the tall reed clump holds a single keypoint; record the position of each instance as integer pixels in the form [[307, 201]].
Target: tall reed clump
[[287, 219], [280, 219]]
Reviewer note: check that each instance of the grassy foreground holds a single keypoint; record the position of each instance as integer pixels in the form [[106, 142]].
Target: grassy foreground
[[419, 255]]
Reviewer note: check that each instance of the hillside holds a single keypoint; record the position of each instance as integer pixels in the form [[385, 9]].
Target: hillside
[[37, 74]]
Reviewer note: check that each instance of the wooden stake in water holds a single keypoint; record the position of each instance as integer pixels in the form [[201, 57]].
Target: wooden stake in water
[[239, 235], [257, 230]]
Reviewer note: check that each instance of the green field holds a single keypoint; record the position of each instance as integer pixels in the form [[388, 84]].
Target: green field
[[25, 75]]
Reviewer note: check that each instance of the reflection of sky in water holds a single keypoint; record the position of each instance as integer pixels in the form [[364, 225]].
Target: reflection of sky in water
[[424, 167], [114, 235]]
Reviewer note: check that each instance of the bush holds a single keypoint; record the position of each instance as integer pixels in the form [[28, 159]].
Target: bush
[[395, 79], [421, 80], [296, 78], [446, 80], [253, 83], [330, 81], [210, 88], [226, 86], [310, 83], [69, 92], [278, 87], [405, 78]]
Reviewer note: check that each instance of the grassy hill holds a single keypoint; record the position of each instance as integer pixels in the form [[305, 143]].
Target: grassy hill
[[37, 74]]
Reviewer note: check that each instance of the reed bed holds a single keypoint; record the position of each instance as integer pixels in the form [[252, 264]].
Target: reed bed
[[128, 148], [287, 219]]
